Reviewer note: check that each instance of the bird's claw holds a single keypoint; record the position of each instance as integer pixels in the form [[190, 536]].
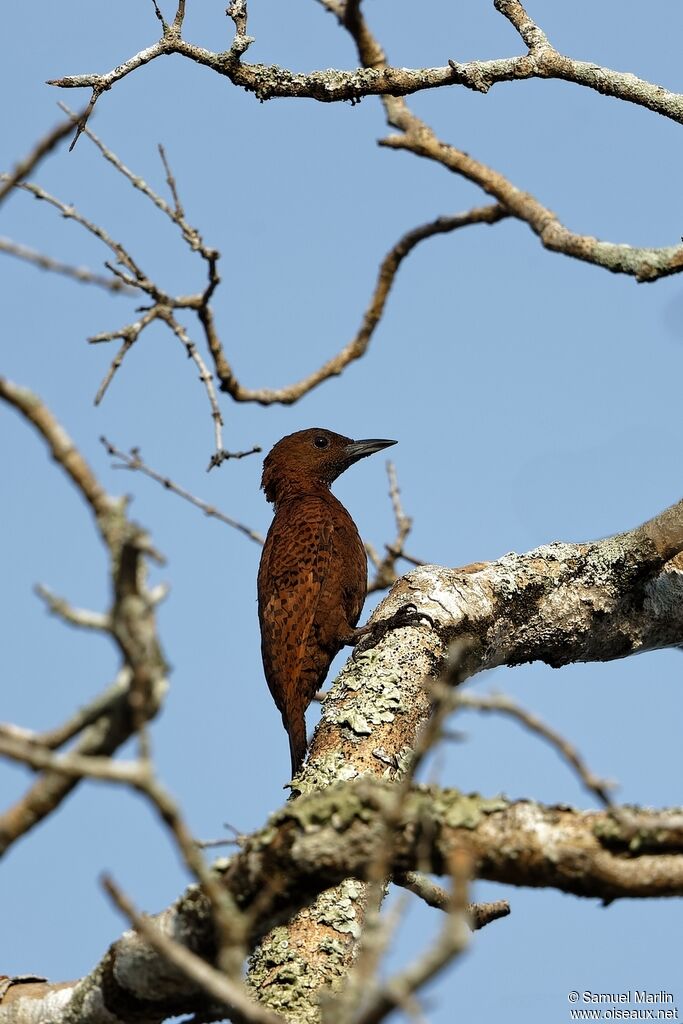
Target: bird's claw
[[407, 615]]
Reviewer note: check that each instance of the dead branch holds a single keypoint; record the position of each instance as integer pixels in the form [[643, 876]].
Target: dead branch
[[37, 154], [478, 914], [645, 264], [207, 979], [358, 345], [334, 834], [334, 86], [130, 623], [133, 461], [81, 274], [502, 704]]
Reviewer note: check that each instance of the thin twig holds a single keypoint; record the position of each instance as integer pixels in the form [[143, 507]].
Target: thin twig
[[385, 568], [478, 914], [230, 923], [501, 704], [133, 461], [129, 335], [358, 345], [38, 153], [219, 987], [399, 990], [70, 212], [82, 617], [171, 182], [82, 274], [204, 375]]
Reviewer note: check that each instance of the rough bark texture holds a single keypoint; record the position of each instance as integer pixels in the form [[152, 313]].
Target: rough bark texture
[[326, 837], [560, 603]]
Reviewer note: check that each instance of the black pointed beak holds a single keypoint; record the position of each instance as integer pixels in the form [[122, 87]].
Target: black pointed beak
[[359, 449]]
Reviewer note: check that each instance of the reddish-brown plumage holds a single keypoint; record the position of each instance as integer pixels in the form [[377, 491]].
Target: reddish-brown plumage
[[312, 578]]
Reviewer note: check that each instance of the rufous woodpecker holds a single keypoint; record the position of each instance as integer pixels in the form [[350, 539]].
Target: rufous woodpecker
[[312, 580]]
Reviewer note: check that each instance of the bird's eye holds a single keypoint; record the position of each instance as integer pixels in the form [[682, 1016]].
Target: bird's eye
[[321, 441]]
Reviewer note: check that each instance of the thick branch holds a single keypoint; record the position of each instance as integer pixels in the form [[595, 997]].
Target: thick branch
[[559, 603], [645, 264], [335, 86], [324, 837]]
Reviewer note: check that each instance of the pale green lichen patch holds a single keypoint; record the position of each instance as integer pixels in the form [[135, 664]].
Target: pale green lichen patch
[[404, 760], [462, 810], [378, 693], [328, 769], [338, 806], [338, 908], [286, 980]]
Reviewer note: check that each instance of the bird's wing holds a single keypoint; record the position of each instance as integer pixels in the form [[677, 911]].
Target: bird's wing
[[293, 574]]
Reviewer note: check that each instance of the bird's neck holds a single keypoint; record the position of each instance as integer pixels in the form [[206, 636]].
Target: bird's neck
[[295, 489]]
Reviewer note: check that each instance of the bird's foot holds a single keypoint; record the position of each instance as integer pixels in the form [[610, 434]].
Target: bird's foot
[[407, 615]]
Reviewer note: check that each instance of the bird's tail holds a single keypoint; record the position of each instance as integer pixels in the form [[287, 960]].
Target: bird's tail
[[296, 730]]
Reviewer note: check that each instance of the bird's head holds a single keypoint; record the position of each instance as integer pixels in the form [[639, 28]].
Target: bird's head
[[312, 458]]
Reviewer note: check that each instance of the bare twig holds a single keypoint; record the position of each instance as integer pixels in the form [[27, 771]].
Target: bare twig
[[217, 985], [501, 704], [139, 775], [130, 276], [38, 153], [129, 335], [478, 914], [159, 15], [385, 568], [171, 182], [398, 991], [133, 461], [219, 457], [357, 347], [138, 278], [176, 214], [130, 622], [84, 618], [204, 375], [81, 274]]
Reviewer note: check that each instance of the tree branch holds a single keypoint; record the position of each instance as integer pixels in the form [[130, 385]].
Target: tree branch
[[645, 264], [37, 154], [130, 622], [321, 838], [335, 86]]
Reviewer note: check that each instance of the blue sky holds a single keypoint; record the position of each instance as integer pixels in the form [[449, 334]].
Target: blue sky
[[534, 399]]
